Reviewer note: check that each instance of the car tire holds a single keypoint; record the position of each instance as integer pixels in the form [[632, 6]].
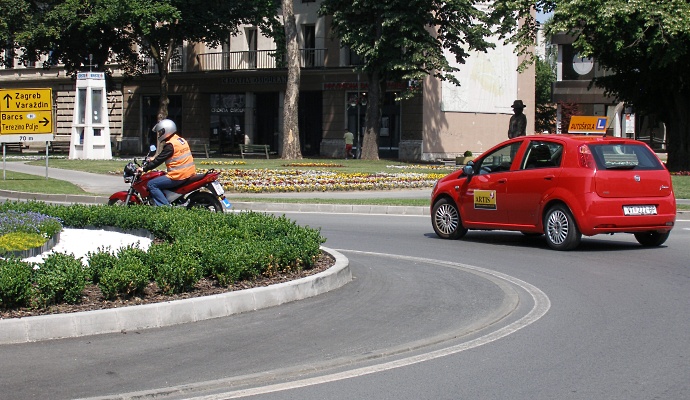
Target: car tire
[[560, 228], [652, 238], [445, 218]]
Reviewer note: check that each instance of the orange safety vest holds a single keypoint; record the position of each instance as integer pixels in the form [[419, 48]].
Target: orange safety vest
[[181, 164]]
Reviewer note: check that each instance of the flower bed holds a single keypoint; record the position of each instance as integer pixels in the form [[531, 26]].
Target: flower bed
[[265, 180], [24, 234]]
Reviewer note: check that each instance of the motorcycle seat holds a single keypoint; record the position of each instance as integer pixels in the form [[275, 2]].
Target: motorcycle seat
[[192, 179]]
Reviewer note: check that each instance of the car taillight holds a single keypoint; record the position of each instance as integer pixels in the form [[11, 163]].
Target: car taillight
[[586, 157]]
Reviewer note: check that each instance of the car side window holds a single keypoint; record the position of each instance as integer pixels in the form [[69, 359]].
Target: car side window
[[499, 160], [542, 154]]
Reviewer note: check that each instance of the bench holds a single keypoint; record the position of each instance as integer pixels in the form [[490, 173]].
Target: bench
[[59, 146], [254, 149], [198, 146], [13, 147]]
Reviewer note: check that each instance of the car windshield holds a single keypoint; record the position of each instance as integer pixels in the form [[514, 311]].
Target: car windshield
[[624, 156]]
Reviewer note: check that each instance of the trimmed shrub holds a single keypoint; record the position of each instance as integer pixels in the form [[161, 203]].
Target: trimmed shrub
[[15, 283], [176, 270], [99, 261], [60, 278], [128, 276]]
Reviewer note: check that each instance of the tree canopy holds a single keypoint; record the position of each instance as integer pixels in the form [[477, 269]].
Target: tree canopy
[[645, 47], [130, 31], [545, 110], [405, 41]]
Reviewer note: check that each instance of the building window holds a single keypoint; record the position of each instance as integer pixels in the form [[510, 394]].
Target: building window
[[250, 34], [309, 52]]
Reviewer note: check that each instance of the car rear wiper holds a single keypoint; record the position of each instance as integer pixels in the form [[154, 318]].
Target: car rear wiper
[[621, 166]]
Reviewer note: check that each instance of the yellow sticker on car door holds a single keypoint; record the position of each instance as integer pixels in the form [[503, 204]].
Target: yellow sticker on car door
[[485, 199]]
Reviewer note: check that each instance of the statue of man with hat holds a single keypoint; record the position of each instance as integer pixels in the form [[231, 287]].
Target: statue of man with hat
[[518, 122]]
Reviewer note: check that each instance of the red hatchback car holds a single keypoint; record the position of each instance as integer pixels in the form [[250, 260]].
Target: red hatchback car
[[562, 186]]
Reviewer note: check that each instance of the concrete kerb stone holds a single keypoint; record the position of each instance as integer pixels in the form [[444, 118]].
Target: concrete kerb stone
[[59, 326]]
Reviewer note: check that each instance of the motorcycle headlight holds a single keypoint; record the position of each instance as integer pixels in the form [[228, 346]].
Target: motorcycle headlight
[[129, 172]]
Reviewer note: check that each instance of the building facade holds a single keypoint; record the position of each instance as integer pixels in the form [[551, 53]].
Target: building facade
[[234, 94], [573, 89]]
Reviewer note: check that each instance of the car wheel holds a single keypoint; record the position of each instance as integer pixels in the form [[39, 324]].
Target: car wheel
[[205, 200], [445, 219], [651, 239], [560, 228]]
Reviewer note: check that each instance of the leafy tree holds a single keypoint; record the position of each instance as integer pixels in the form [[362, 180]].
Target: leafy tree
[[130, 31], [567, 112], [545, 110], [645, 44], [15, 17], [404, 40]]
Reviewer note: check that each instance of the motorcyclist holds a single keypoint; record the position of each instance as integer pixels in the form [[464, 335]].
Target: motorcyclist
[[177, 157]]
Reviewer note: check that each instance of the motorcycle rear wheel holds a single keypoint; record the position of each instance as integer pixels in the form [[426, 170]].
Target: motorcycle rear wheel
[[205, 200]]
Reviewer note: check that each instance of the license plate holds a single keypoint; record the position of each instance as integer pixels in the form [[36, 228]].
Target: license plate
[[218, 188], [639, 210]]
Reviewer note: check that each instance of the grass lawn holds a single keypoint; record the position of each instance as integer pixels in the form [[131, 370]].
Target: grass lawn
[[19, 182]]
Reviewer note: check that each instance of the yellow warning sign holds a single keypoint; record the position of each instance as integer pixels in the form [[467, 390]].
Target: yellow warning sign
[[26, 111]]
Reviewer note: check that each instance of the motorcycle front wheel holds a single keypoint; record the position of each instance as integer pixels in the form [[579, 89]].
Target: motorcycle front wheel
[[205, 200], [116, 202]]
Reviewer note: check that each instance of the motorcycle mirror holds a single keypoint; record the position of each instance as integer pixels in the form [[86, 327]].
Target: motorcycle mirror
[[152, 149]]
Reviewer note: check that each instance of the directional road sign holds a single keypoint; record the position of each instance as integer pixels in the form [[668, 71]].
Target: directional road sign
[[26, 114]]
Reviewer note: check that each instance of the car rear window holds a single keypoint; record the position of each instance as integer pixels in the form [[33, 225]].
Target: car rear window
[[624, 156]]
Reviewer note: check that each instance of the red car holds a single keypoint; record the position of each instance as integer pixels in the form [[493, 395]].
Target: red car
[[562, 186]]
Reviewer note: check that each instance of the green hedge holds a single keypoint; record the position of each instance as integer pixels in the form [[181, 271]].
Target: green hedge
[[193, 244]]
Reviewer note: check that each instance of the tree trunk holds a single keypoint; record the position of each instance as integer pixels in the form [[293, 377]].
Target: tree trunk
[[372, 121], [678, 133], [162, 59], [164, 100], [291, 145]]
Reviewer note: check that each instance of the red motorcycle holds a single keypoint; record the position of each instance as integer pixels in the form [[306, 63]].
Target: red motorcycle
[[200, 190]]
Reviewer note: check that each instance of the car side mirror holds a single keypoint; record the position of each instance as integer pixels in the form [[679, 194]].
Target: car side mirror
[[468, 169]]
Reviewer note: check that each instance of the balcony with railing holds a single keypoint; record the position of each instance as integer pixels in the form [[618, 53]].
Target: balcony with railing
[[176, 65], [257, 59]]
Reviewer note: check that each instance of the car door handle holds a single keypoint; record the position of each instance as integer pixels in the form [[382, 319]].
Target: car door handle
[[502, 180], [549, 177]]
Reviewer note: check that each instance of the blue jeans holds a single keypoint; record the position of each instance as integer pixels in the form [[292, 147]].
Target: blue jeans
[[156, 186]]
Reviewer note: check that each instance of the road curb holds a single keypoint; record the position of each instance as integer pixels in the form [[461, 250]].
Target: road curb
[[237, 205], [133, 318]]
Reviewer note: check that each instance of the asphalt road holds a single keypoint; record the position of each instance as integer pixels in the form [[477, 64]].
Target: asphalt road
[[497, 315]]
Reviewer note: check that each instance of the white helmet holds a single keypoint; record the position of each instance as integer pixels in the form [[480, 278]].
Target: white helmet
[[164, 129]]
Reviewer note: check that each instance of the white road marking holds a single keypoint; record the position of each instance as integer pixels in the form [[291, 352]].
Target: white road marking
[[540, 308]]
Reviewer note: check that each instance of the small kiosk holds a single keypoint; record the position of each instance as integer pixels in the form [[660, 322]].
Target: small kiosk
[[90, 128]]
